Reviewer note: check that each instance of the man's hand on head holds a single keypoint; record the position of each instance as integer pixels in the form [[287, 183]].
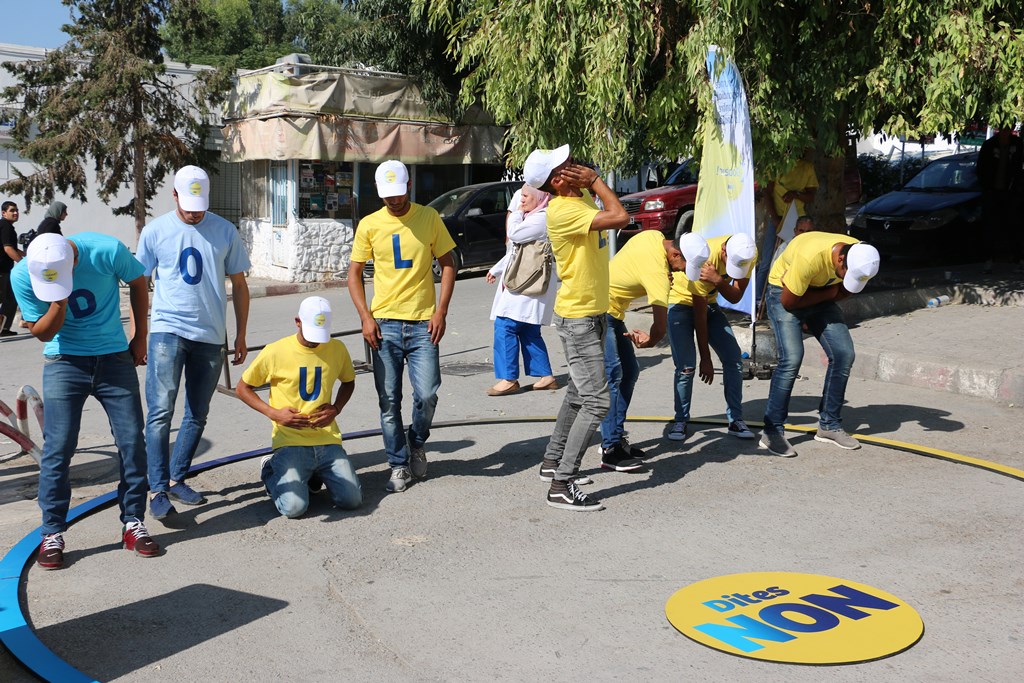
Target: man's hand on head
[[579, 176]]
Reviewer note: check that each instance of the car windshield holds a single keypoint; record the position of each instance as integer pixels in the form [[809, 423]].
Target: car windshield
[[448, 203], [686, 174], [945, 174]]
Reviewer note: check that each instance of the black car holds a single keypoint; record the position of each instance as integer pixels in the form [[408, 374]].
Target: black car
[[923, 220], [475, 217]]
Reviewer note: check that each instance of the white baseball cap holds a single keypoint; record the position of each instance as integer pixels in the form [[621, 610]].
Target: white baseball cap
[[193, 187], [392, 179], [861, 265], [51, 258], [315, 316], [696, 252], [541, 163], [740, 255]]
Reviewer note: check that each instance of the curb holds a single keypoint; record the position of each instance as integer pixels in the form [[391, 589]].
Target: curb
[[992, 382]]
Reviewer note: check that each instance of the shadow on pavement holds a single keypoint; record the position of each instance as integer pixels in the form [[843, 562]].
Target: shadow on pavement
[[154, 629]]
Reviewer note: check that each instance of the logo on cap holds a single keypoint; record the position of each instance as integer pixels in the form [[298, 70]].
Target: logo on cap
[[320, 319], [390, 176], [49, 274], [195, 189]]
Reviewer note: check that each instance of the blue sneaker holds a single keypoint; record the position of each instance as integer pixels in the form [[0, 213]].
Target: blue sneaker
[[183, 493], [160, 506]]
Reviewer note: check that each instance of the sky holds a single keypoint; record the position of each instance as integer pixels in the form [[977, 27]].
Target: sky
[[35, 23]]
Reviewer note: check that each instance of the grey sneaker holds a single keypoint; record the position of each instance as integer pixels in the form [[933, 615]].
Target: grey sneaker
[[676, 431], [839, 437], [777, 444], [400, 478], [418, 462]]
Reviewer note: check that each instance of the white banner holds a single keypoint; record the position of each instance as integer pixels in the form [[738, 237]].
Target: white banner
[[725, 189]]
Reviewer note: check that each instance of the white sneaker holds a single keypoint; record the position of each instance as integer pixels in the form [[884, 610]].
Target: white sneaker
[[400, 478], [676, 431]]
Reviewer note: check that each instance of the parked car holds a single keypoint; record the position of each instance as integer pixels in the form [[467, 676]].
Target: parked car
[[668, 208], [942, 202], [475, 217]]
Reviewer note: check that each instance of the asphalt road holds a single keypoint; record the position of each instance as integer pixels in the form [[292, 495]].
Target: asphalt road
[[470, 576]]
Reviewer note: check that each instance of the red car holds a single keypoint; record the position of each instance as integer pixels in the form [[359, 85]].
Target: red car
[[668, 208]]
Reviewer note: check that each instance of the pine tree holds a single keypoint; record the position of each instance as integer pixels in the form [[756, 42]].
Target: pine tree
[[105, 100]]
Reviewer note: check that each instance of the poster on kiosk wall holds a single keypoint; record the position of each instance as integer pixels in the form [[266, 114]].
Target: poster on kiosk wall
[[725, 188]]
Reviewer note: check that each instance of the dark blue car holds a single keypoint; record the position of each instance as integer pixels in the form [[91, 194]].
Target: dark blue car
[[921, 220]]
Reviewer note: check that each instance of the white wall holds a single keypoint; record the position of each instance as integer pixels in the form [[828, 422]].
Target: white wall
[[306, 250]]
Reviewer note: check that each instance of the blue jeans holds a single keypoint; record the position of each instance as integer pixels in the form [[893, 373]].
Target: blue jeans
[[169, 354], [586, 397], [508, 336], [825, 322], [287, 473], [623, 371], [67, 382], [684, 355], [405, 341]]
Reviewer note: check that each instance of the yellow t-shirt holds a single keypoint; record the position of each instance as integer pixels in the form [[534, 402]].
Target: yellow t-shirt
[[581, 256], [800, 177], [806, 263], [683, 290], [402, 248], [302, 378], [640, 267]]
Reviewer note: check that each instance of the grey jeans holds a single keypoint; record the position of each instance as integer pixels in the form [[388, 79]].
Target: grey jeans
[[586, 398]]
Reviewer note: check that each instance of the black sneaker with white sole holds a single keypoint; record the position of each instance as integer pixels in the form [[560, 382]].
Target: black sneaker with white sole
[[548, 468], [567, 496], [618, 460], [633, 451]]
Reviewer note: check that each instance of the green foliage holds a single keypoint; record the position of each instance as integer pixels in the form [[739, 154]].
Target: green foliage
[[245, 34], [880, 174], [104, 99], [625, 80]]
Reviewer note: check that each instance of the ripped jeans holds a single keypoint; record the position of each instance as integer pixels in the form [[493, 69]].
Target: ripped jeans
[[684, 355]]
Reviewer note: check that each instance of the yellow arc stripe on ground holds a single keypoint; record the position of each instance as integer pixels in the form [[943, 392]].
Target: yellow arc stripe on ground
[[877, 440]]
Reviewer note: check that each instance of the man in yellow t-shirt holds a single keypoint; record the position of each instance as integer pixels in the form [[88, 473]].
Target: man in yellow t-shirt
[[694, 309], [575, 226], [643, 267], [798, 186], [301, 370], [815, 271], [402, 324]]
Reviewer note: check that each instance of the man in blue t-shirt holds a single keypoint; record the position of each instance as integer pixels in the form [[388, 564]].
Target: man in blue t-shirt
[[189, 252], [69, 297]]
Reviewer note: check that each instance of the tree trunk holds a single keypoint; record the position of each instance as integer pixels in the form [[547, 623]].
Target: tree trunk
[[828, 210], [139, 175]]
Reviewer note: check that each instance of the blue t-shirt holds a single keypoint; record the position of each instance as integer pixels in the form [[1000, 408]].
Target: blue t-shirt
[[92, 323], [191, 262]]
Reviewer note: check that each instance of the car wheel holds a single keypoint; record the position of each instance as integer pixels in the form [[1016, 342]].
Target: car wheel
[[435, 267], [685, 223]]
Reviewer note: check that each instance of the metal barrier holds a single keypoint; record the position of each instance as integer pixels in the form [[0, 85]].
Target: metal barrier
[[365, 365], [18, 418]]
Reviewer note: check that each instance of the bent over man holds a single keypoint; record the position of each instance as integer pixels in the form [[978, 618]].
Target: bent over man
[[816, 270], [69, 293]]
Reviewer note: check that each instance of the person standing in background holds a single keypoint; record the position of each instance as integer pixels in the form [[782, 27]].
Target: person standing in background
[[9, 255]]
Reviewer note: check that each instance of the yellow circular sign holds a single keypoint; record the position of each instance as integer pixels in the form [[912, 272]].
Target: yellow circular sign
[[195, 189], [49, 274], [319, 319], [796, 618], [390, 176]]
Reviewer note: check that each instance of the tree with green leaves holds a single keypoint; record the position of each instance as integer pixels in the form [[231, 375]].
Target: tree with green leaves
[[242, 34], [105, 100], [624, 80]]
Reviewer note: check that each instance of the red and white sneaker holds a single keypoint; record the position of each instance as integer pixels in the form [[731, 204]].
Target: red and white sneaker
[[51, 551], [138, 540]]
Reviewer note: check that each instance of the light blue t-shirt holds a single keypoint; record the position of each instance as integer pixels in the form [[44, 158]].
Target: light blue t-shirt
[[92, 323], [191, 262]]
